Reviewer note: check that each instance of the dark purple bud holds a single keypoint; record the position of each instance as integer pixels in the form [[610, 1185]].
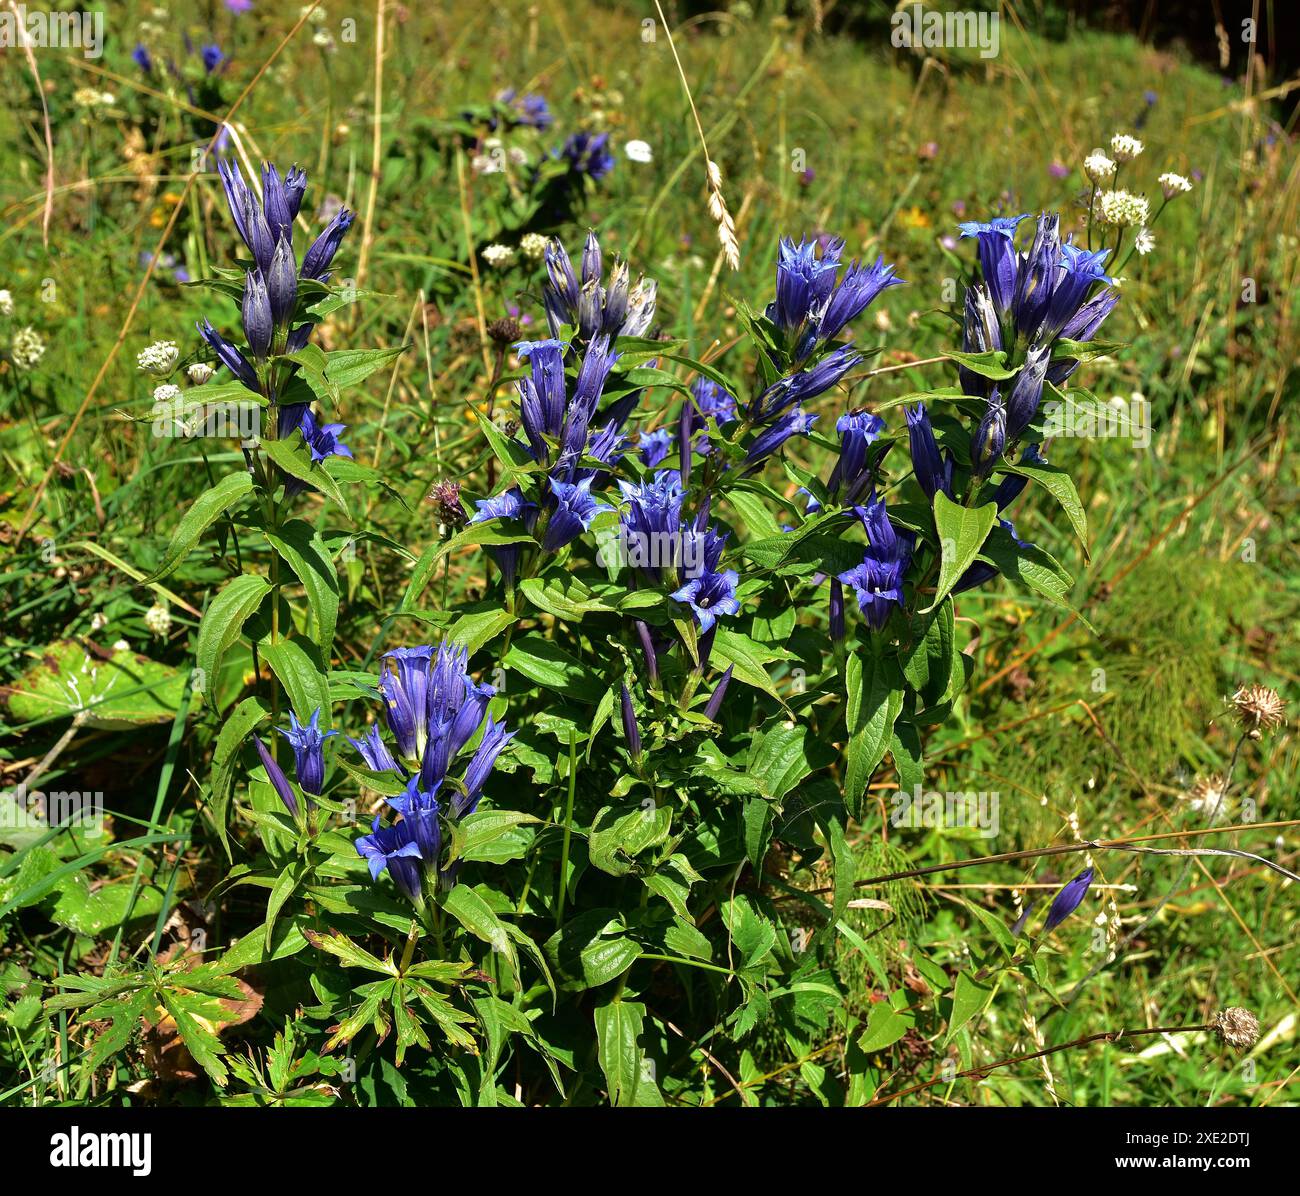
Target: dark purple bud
[[282, 282], [591, 264], [837, 610], [630, 730], [1027, 391], [1018, 926], [256, 310], [228, 355], [316, 261], [648, 646], [715, 699], [1068, 900], [275, 774]]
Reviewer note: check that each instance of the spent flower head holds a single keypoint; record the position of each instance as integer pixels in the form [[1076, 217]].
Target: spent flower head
[[1174, 184], [1098, 167], [1125, 147]]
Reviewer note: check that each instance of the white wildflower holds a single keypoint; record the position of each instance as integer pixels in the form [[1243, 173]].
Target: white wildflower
[[1098, 167], [639, 151], [199, 373], [27, 348], [1145, 242], [1174, 184], [1124, 147], [166, 393], [498, 256], [533, 246], [159, 359], [1122, 209], [158, 619], [6, 304]]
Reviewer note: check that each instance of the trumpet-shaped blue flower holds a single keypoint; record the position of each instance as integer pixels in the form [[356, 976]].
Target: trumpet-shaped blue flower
[[393, 848], [1027, 391], [308, 743], [793, 423], [323, 439], [878, 580], [933, 471], [275, 774], [858, 431], [997, 256], [655, 446], [575, 508], [1068, 900], [990, 436], [710, 596]]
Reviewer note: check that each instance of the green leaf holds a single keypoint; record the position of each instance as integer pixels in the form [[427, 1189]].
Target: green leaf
[[875, 700], [113, 693], [990, 364], [348, 953], [225, 755], [1061, 487], [928, 659], [747, 658], [206, 509], [969, 997], [473, 913], [547, 664], [222, 623], [885, 1026], [592, 949], [618, 1030], [615, 842], [962, 532], [293, 456], [300, 544], [296, 662], [1034, 568]]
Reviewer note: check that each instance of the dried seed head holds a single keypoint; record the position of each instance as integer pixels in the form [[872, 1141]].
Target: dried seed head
[[505, 331], [1258, 707], [445, 497], [1237, 1028]]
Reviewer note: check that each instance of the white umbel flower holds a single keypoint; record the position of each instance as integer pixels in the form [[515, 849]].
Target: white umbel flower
[[158, 619], [1174, 184], [1122, 209], [498, 256], [1098, 167], [199, 373], [6, 304], [639, 151], [27, 348], [159, 359], [1124, 147], [533, 246], [1145, 242], [166, 393]]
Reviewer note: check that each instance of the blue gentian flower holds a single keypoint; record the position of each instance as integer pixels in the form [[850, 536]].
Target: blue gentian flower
[[575, 508], [981, 333], [316, 261], [212, 57], [275, 774], [323, 439], [651, 522], [710, 596], [654, 446], [631, 732], [1068, 900], [530, 110], [495, 737], [933, 472], [255, 310], [509, 504], [878, 580], [419, 809], [375, 752], [142, 58], [804, 282], [1036, 275], [990, 436], [228, 355], [1083, 327], [587, 153], [1027, 391], [858, 431], [393, 848], [836, 611], [793, 423], [308, 743], [854, 294], [590, 306], [997, 256], [714, 705], [1079, 270]]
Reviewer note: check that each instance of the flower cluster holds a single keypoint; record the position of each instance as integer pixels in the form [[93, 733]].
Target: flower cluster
[[596, 304], [271, 292], [434, 710]]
